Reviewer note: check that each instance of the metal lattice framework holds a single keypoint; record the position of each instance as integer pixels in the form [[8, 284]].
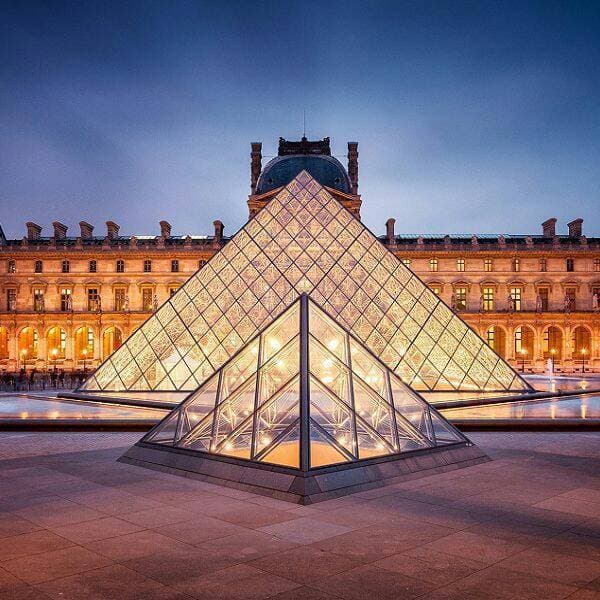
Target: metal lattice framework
[[304, 394], [304, 241]]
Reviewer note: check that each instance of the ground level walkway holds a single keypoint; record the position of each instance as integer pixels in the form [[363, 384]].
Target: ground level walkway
[[76, 524]]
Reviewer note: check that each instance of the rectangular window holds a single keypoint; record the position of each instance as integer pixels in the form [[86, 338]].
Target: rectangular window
[[66, 299], [38, 266], [488, 265], [516, 264], [93, 299], [488, 298], [543, 265], [11, 299], [406, 262], [120, 266], [460, 264], [571, 299], [597, 265], [147, 266], [93, 266], [544, 299], [570, 264], [66, 266], [38, 299], [147, 298], [174, 266], [515, 294], [120, 299], [460, 294], [490, 337], [435, 289], [433, 265], [12, 266]]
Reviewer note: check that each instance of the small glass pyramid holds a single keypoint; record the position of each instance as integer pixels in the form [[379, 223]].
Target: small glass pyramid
[[304, 394]]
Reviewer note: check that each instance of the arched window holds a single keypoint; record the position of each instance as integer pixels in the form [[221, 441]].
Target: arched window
[[3, 343], [523, 341], [56, 342], [496, 339], [111, 340], [552, 342], [582, 343], [84, 343], [28, 344]]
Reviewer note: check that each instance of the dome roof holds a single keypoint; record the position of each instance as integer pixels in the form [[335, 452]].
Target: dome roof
[[327, 170]]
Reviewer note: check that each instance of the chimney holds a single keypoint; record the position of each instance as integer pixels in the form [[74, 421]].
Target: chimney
[[218, 231], [112, 230], [33, 231], [86, 230], [549, 228], [165, 229], [60, 230], [353, 166], [255, 165], [575, 228], [389, 229]]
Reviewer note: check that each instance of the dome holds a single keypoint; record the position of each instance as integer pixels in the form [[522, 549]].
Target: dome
[[281, 170]]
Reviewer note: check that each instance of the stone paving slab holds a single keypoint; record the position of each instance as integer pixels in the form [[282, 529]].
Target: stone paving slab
[[76, 524]]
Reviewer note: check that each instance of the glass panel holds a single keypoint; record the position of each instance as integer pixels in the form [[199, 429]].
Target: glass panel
[[236, 409], [330, 371], [369, 443], [333, 416], [322, 451], [286, 451], [280, 333], [198, 405], [279, 370], [374, 410], [444, 432], [239, 369], [327, 332], [414, 410], [277, 415], [164, 433], [365, 366], [238, 444]]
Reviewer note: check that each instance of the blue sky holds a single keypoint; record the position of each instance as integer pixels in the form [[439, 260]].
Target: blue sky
[[470, 116]]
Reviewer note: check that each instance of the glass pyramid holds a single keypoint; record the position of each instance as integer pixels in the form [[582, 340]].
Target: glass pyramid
[[304, 241], [304, 394]]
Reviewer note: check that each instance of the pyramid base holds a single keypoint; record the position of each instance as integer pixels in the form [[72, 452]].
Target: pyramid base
[[304, 487]]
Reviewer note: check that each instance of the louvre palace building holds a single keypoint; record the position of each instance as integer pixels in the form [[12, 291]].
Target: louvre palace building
[[68, 300]]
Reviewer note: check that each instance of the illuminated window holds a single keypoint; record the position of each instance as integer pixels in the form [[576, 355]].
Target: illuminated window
[[66, 299], [433, 264], [12, 266], [460, 294], [84, 344], [460, 264], [120, 266], [119, 299], [523, 342], [147, 266], [581, 343], [543, 265], [38, 299], [570, 264], [28, 344], [488, 298], [488, 265], [93, 266], [516, 264], [66, 266], [111, 340], [38, 267], [56, 342], [147, 296], [597, 265], [93, 299], [552, 343], [406, 262], [3, 343], [174, 266], [435, 289], [490, 336], [11, 299], [515, 294]]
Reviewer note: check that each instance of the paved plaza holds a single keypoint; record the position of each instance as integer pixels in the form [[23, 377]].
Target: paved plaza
[[75, 524]]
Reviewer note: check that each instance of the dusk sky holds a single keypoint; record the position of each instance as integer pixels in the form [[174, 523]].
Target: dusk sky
[[470, 116]]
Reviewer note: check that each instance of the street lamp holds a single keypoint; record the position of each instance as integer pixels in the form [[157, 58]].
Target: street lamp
[[552, 353], [523, 354], [54, 353], [583, 353]]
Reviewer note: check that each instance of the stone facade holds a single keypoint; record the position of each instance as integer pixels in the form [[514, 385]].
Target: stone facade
[[70, 300]]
